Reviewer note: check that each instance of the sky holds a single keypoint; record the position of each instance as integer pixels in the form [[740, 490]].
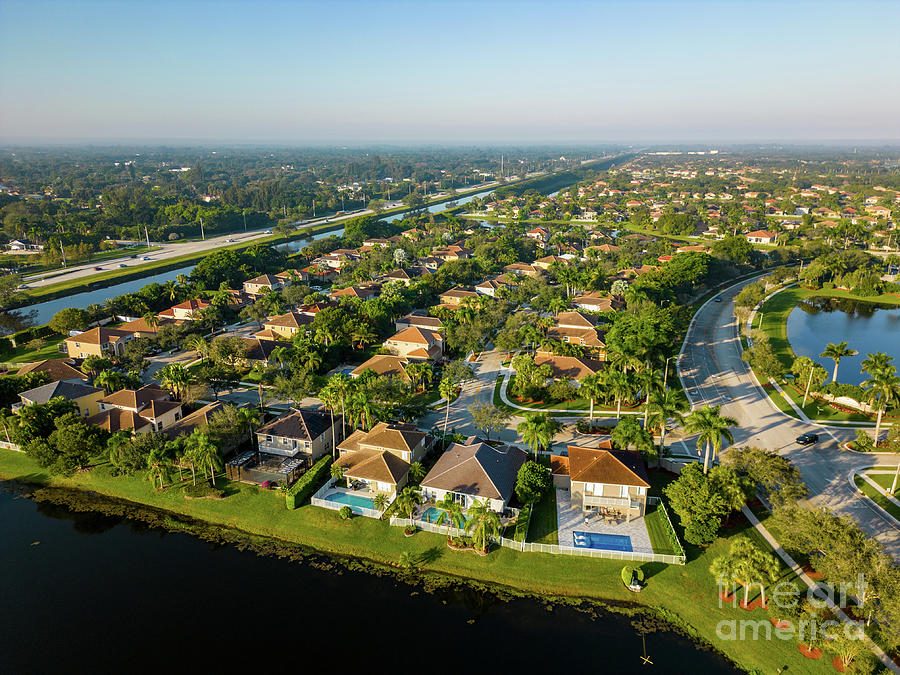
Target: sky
[[347, 72]]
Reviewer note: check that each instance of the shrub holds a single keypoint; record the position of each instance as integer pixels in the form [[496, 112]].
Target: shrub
[[308, 483], [828, 285], [841, 389], [863, 442], [346, 513]]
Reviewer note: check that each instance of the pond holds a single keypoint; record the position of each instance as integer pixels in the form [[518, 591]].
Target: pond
[[85, 592], [867, 327]]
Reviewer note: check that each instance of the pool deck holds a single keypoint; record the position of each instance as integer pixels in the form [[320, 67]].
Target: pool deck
[[570, 518]]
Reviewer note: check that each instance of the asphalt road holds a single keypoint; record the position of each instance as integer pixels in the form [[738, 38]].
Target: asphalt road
[[714, 374]]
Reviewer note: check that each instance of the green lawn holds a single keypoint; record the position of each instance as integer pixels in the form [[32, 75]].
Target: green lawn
[[885, 480], [656, 528], [877, 497], [685, 594], [22, 354], [543, 527]]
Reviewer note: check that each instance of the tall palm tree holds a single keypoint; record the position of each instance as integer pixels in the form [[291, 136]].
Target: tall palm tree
[[110, 381], [158, 464], [199, 345], [876, 362], [537, 431], [451, 513], [592, 388], [151, 319], [650, 382], [837, 352], [447, 388], [279, 355], [408, 499], [93, 365], [174, 377], [330, 395], [419, 373], [205, 453], [619, 385], [712, 427], [483, 524], [664, 406], [883, 387]]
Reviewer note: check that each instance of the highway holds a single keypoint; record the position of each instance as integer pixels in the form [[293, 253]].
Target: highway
[[713, 373]]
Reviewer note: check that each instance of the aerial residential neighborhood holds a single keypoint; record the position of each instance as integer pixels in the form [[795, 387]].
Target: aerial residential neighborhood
[[586, 360]]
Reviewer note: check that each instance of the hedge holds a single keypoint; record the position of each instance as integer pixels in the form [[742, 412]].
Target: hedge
[[667, 523], [308, 483], [522, 522], [33, 333]]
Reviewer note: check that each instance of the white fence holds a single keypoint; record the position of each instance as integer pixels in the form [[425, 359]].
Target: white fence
[[318, 499], [10, 446]]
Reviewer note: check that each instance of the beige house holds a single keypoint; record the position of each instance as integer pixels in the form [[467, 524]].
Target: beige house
[[475, 471], [85, 397], [185, 311], [150, 403], [569, 367], [306, 433], [603, 478], [56, 369], [98, 342], [379, 459], [418, 321], [386, 365], [595, 302], [266, 283], [457, 295], [522, 269], [288, 325], [580, 329], [417, 344]]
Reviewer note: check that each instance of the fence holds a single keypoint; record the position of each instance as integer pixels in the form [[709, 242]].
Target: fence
[[318, 499], [10, 446]]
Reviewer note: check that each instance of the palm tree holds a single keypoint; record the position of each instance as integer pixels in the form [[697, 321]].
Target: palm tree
[[151, 319], [380, 501], [204, 452], [408, 499], [712, 428], [419, 373], [337, 472], [619, 385], [447, 388], [538, 430], [199, 345], [94, 364], [837, 352], [110, 381], [591, 388], [408, 561], [483, 524], [883, 387], [416, 472], [158, 464], [451, 513], [330, 395], [279, 355], [650, 381], [664, 406], [876, 362], [175, 377]]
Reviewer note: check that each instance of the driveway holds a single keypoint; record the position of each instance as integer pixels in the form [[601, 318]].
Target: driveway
[[714, 374]]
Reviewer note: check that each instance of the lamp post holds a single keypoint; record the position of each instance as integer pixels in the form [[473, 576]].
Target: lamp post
[[666, 375]]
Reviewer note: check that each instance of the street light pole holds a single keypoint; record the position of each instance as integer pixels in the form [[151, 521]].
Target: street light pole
[[666, 375]]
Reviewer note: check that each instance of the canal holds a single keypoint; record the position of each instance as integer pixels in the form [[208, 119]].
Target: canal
[[85, 592]]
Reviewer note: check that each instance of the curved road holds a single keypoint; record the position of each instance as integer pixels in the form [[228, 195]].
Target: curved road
[[713, 373]]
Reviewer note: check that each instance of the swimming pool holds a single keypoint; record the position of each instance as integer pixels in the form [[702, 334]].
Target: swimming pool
[[608, 542], [350, 500], [432, 513]]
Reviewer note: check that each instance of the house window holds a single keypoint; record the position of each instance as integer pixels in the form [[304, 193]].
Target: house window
[[624, 490], [268, 439]]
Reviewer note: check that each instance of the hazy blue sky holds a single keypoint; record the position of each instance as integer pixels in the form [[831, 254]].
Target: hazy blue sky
[[352, 72]]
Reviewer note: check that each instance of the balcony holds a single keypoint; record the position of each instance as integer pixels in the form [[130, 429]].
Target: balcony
[[620, 502]]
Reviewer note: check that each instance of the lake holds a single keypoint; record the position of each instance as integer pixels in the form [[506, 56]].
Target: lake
[[867, 327], [85, 592]]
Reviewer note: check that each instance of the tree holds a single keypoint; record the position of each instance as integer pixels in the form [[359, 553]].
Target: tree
[[538, 430], [175, 377], [129, 453], [628, 432], [408, 499], [712, 428], [664, 406], [698, 505], [775, 475], [748, 564], [592, 388], [93, 365], [420, 373], [483, 524], [619, 385], [450, 512], [158, 464], [487, 418], [836, 352], [199, 345], [458, 372], [447, 389], [69, 447], [228, 350], [380, 501], [532, 481], [809, 374], [69, 319], [110, 381], [882, 389], [416, 472]]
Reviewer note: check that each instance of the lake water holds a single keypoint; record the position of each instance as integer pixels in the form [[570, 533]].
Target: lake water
[[443, 206], [84, 592], [867, 327]]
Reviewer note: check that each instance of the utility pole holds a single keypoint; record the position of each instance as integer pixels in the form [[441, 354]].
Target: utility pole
[[202, 233], [63, 251], [147, 236], [245, 221]]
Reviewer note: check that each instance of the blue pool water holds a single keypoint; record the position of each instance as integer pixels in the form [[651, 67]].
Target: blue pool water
[[350, 500], [608, 542], [431, 514]]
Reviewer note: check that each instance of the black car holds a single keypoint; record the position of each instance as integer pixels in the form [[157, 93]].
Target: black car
[[808, 439]]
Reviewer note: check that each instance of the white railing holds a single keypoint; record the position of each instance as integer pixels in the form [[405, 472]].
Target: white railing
[[318, 499], [10, 446], [593, 500], [429, 527]]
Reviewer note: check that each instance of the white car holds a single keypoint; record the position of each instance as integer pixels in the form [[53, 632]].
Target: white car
[[146, 257], [229, 240]]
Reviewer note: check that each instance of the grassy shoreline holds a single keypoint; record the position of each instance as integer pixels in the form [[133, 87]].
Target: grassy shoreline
[[685, 595]]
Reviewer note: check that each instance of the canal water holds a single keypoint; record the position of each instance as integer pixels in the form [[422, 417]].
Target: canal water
[[867, 327], [84, 592]]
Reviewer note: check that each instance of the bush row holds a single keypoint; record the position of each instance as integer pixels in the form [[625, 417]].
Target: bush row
[[308, 483], [667, 523]]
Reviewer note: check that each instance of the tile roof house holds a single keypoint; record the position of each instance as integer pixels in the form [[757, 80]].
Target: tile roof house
[[456, 295], [85, 397], [417, 344], [380, 458], [474, 470], [385, 365], [545, 262], [199, 419], [185, 311], [289, 324], [490, 287], [761, 237], [266, 283], [580, 329], [150, 403], [142, 328], [596, 302], [520, 269], [569, 367], [363, 292], [419, 321], [98, 342], [57, 369], [603, 477], [259, 349], [299, 432]]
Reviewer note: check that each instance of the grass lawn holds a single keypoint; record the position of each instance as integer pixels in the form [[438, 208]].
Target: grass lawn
[[885, 480], [686, 594], [877, 496], [656, 528], [543, 527], [23, 355]]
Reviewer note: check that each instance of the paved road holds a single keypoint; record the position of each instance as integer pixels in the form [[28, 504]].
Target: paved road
[[713, 374]]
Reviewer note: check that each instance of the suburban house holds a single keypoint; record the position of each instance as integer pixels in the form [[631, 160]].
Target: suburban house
[[490, 287], [299, 433], [260, 348], [150, 403], [521, 269], [761, 237], [457, 295], [539, 234], [569, 367], [199, 419], [475, 471], [266, 283], [98, 342], [85, 397], [362, 292], [419, 321], [379, 459], [603, 477], [596, 302], [185, 311], [24, 245], [57, 369], [416, 344], [399, 275], [545, 262], [288, 325], [580, 329], [386, 365], [141, 328]]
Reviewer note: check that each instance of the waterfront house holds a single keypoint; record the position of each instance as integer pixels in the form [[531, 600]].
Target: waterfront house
[[378, 460], [98, 342], [85, 397], [475, 471], [189, 310], [150, 402], [603, 478], [299, 433]]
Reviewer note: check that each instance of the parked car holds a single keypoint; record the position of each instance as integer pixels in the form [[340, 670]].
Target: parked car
[[268, 232], [98, 268], [808, 439]]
